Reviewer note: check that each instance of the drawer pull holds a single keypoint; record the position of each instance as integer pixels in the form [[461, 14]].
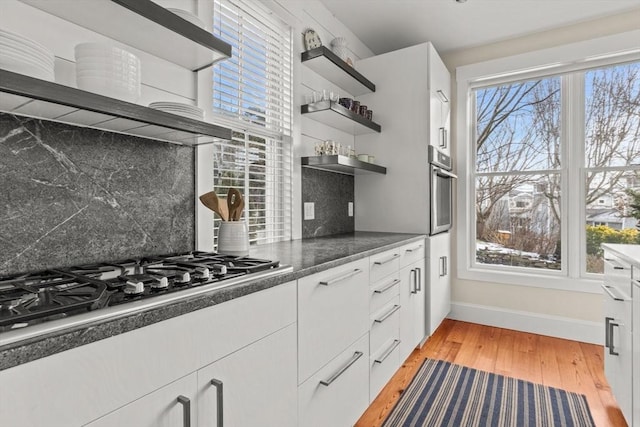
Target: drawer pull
[[341, 278], [219, 402], [413, 249], [615, 264], [387, 287], [607, 336], [186, 410], [612, 350], [413, 285], [614, 295], [386, 354], [357, 355], [394, 256], [388, 314]]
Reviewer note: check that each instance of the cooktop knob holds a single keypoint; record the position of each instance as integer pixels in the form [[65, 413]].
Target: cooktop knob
[[133, 288]]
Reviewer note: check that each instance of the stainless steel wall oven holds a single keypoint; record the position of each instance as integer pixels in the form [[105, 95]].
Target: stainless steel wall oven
[[441, 189]]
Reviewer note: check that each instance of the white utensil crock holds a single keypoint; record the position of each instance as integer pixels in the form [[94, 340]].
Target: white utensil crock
[[233, 238]]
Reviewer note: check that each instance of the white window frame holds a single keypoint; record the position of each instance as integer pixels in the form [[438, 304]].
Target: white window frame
[[594, 53], [205, 225]]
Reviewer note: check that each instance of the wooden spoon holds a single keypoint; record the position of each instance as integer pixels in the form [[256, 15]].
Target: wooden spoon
[[211, 201], [239, 209], [233, 201]]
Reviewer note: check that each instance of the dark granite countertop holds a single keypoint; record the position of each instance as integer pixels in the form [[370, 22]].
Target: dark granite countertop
[[306, 256]]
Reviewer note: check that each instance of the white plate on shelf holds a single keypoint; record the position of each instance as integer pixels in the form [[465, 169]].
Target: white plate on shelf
[[19, 40], [29, 70], [21, 51]]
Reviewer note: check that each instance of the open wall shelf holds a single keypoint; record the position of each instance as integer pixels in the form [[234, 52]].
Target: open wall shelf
[[28, 96], [335, 115], [331, 67], [143, 25], [342, 164]]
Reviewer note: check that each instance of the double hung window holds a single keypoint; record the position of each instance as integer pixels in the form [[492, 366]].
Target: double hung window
[[553, 169]]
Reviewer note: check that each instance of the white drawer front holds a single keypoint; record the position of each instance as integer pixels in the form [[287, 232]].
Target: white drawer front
[[104, 376], [411, 253], [384, 264], [383, 365], [333, 311], [383, 291], [385, 325], [346, 394]]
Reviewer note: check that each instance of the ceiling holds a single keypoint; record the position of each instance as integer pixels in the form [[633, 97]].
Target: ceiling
[[386, 25]]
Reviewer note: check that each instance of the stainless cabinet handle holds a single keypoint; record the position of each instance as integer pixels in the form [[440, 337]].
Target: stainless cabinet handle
[[442, 96], [387, 287], [341, 278], [615, 264], [413, 249], [607, 335], [413, 286], [443, 266], [219, 402], [611, 346], [186, 410], [443, 137], [388, 314], [386, 354], [394, 256], [419, 278], [357, 355], [612, 293]]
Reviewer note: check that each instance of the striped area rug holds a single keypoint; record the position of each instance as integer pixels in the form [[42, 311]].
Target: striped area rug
[[444, 394]]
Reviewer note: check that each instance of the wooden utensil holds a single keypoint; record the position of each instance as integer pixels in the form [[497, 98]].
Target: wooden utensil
[[211, 201], [239, 209], [233, 201]]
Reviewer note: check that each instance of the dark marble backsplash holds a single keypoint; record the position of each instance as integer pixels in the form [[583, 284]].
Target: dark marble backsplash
[[73, 195], [331, 193]]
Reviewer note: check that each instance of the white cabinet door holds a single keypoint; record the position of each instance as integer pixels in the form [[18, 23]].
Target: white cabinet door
[[413, 314], [617, 307], [439, 286], [254, 386], [440, 94], [170, 406], [338, 393], [333, 312]]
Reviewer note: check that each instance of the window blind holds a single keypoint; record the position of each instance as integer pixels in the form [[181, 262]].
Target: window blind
[[252, 95]]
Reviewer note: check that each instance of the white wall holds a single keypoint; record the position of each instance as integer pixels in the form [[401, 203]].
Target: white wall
[[549, 311]]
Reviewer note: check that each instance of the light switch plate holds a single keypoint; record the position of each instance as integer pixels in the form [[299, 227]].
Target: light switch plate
[[350, 208], [309, 210]]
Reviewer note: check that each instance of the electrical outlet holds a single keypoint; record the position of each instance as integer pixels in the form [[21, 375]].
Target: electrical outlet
[[309, 210], [350, 208]]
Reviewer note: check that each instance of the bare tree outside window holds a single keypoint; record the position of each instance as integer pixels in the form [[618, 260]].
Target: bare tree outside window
[[519, 166]]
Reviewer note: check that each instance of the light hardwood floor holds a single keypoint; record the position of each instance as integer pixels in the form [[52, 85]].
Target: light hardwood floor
[[570, 365]]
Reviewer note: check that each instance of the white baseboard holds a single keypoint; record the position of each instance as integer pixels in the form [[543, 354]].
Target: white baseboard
[[536, 323]]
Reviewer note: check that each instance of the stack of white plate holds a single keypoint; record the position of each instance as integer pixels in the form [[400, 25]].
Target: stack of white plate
[[108, 70], [187, 16], [180, 109], [22, 55]]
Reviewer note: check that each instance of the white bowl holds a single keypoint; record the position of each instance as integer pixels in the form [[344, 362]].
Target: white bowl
[[107, 87]]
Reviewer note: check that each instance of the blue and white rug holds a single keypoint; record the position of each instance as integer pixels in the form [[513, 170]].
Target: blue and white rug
[[444, 394]]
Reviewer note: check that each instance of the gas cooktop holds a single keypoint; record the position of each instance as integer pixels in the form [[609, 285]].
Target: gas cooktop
[[88, 292]]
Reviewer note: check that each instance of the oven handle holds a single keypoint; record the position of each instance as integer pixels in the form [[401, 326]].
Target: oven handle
[[446, 173]]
